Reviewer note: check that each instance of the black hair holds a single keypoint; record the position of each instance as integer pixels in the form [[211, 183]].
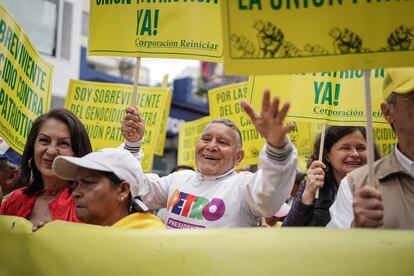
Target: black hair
[[133, 207], [80, 144]]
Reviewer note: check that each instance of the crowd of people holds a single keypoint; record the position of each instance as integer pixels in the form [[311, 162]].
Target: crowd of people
[[60, 178]]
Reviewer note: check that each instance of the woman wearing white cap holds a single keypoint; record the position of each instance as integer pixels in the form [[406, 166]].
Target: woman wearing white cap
[[107, 188]]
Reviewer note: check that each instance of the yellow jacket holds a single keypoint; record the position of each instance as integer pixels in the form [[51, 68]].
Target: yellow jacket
[[140, 221]]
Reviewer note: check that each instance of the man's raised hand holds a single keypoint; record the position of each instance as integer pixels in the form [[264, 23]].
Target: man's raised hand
[[269, 122], [133, 125]]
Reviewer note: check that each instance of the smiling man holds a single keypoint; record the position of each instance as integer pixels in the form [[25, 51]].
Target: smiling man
[[215, 195]]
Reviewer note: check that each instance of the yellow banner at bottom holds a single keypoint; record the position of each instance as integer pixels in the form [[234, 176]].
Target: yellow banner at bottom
[[63, 248]]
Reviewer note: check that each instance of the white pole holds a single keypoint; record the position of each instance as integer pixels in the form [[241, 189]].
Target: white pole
[[165, 81], [136, 80], [321, 151], [370, 137]]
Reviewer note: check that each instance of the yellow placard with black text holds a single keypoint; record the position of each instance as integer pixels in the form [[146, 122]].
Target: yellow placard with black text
[[101, 107], [385, 139], [303, 137], [25, 82], [298, 36], [163, 29], [159, 147], [188, 135]]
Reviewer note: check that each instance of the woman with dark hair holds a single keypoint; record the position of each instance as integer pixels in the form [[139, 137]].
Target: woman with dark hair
[[46, 197], [107, 189], [343, 151]]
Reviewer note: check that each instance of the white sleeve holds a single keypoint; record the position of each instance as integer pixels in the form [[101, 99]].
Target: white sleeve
[[267, 189], [134, 148], [341, 210], [153, 191]]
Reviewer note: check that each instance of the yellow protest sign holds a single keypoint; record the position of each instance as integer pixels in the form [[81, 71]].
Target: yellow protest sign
[[159, 147], [100, 106], [303, 137], [289, 36], [167, 29], [25, 82], [335, 98], [63, 248], [188, 135], [224, 102], [385, 139]]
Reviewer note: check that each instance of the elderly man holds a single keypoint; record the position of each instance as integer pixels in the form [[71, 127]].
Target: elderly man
[[216, 195], [388, 203]]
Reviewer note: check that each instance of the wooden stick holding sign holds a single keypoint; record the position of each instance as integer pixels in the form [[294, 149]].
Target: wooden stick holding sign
[[370, 139], [136, 80], [321, 152], [159, 148], [165, 81]]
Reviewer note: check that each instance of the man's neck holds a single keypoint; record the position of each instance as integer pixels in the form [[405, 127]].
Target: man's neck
[[406, 147]]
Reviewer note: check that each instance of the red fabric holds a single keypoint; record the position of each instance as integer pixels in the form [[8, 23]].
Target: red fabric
[[205, 70], [21, 205]]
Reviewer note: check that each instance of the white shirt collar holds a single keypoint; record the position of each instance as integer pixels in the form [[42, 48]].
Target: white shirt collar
[[216, 177], [407, 164]]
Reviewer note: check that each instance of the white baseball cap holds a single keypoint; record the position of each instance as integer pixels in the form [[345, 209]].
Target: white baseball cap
[[118, 161]]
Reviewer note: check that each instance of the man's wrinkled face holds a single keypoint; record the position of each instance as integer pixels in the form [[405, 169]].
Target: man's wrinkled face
[[217, 150], [401, 115]]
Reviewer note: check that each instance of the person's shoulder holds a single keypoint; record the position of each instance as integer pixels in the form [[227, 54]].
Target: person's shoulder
[[243, 173], [358, 172], [183, 173], [363, 170], [140, 221], [13, 201], [173, 174], [15, 195], [384, 160], [359, 176]]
